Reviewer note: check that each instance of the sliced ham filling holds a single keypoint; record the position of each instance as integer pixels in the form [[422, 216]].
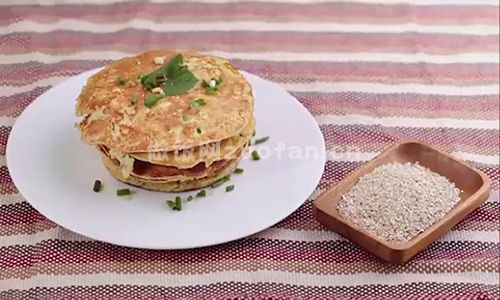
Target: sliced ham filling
[[150, 170], [146, 169]]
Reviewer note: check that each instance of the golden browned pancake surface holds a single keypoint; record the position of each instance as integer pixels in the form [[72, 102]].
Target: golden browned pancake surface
[[209, 153], [114, 120]]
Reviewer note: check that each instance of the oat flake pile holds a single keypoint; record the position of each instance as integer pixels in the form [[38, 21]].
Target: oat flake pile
[[398, 201]]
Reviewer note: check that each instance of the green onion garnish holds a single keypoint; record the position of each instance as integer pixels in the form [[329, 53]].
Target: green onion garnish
[[197, 103], [238, 171], [123, 192], [218, 81], [178, 203], [189, 198], [185, 118], [229, 188], [97, 186], [171, 204], [220, 181], [121, 80], [261, 140], [198, 130], [211, 90], [175, 205], [201, 194], [255, 155], [151, 100]]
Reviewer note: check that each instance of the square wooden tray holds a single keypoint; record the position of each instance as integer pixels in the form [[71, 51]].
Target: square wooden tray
[[473, 183]]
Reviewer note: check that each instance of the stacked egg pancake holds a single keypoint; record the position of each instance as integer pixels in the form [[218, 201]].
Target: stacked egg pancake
[[168, 121]]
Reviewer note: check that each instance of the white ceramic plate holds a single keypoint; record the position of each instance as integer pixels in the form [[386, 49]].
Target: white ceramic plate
[[55, 171]]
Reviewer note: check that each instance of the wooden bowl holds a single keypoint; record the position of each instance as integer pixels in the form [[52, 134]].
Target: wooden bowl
[[473, 183]]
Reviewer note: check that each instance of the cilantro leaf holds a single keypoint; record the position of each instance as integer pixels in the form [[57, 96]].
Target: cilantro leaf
[[178, 79], [181, 82], [172, 66]]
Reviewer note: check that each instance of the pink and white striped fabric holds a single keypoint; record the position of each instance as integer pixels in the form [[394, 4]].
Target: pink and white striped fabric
[[372, 72]]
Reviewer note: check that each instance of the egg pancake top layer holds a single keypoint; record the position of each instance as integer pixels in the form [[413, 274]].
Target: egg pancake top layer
[[116, 115], [207, 153]]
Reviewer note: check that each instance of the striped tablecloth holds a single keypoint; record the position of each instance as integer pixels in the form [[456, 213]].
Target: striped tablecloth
[[371, 73]]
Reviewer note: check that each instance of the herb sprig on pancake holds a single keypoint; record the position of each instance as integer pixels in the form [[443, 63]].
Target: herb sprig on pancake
[[175, 77]]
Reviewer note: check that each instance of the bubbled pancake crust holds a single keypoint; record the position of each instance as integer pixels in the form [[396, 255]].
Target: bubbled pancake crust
[[209, 153], [112, 119]]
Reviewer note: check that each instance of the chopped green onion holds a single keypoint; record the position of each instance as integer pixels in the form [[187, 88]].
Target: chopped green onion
[[185, 118], [171, 204], [134, 99], [198, 130], [97, 186], [189, 198], [123, 192], [255, 155], [229, 188], [121, 80], [178, 203], [197, 103], [261, 140], [175, 205], [220, 181], [218, 81], [211, 90], [151, 100], [238, 171], [201, 194]]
